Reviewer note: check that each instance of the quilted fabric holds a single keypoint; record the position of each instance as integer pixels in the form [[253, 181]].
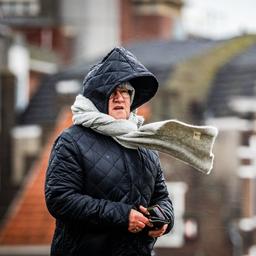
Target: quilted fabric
[[92, 183]]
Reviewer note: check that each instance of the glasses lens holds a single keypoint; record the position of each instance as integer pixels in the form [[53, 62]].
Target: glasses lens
[[125, 94]]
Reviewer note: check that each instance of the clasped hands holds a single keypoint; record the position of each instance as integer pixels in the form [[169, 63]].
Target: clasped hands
[[138, 221]]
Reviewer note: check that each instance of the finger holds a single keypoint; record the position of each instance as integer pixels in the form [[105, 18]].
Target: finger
[[144, 210], [150, 224], [140, 217], [132, 215], [137, 219], [137, 224], [135, 230], [136, 215], [158, 232], [155, 233], [140, 225], [164, 227]]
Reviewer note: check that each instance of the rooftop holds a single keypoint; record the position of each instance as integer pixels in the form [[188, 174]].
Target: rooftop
[[236, 78], [160, 57]]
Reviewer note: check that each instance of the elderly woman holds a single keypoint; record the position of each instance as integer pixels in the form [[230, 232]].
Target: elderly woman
[[105, 192]]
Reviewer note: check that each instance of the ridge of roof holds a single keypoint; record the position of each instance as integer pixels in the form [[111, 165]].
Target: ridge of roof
[[193, 78], [170, 52], [236, 78]]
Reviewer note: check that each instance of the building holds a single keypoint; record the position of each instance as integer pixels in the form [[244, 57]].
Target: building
[[197, 78]]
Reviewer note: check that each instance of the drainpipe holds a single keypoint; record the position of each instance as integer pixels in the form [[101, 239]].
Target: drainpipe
[[236, 240]]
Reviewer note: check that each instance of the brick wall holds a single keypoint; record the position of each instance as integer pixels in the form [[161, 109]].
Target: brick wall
[[145, 21]]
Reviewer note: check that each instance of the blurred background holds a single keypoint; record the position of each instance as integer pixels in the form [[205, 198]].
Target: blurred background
[[204, 54]]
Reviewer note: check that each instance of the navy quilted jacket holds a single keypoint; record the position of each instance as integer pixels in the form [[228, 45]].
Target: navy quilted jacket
[[92, 182]]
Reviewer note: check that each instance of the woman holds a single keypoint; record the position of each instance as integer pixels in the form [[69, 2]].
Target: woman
[[98, 188]]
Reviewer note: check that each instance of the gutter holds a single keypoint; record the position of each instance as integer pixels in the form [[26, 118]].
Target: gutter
[[25, 250]]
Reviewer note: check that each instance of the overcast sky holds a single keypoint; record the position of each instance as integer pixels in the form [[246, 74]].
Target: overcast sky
[[219, 18]]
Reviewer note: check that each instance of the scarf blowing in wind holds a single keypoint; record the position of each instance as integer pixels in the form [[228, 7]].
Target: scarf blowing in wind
[[188, 143]]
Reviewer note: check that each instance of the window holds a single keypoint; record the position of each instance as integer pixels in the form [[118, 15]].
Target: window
[[15, 8], [247, 174], [175, 238]]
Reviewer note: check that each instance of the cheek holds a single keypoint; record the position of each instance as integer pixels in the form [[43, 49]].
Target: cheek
[[128, 109], [109, 106]]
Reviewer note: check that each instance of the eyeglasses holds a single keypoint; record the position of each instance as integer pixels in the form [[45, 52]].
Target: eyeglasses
[[125, 93]]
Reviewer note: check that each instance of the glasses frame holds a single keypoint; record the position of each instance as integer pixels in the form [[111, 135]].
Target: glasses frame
[[124, 93]]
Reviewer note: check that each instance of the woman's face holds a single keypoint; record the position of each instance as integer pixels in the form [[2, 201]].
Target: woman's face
[[119, 104]]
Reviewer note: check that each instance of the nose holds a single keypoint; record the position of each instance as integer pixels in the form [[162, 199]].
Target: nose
[[118, 96]]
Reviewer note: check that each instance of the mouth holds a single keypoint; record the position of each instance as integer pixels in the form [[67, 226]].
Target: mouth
[[118, 108]]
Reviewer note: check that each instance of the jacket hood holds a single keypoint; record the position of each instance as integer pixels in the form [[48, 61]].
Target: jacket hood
[[119, 66]]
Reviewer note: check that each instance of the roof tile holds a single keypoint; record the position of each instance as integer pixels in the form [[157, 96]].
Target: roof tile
[[29, 222]]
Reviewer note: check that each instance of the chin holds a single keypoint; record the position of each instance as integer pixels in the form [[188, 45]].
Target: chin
[[120, 117]]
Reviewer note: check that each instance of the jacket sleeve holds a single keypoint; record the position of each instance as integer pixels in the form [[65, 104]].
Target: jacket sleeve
[[161, 196], [64, 190]]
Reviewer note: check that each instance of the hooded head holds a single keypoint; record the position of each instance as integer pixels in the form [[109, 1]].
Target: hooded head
[[118, 67]]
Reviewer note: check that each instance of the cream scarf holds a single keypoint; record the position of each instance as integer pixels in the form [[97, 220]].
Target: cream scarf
[[188, 143]]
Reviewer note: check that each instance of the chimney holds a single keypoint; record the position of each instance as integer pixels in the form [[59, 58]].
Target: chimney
[[148, 19], [26, 142], [66, 92]]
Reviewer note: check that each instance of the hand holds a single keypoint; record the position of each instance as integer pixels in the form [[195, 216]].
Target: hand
[[137, 221], [153, 233], [159, 232]]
